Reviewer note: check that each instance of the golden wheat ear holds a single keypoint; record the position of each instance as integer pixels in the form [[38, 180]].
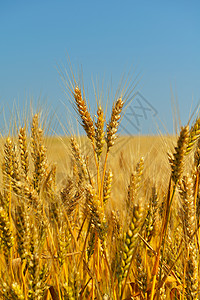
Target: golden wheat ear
[[177, 161], [13, 291], [99, 132], [38, 151], [141, 273], [188, 213], [134, 186], [130, 239], [7, 238], [84, 114], [193, 136], [22, 138], [152, 216], [23, 233], [79, 160], [96, 212], [107, 186], [112, 126]]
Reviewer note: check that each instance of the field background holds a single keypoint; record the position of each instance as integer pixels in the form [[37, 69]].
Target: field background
[[122, 160]]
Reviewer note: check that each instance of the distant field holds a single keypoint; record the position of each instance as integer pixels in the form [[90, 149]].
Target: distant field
[[123, 158]]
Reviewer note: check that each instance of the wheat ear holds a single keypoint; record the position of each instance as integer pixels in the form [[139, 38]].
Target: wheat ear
[[193, 136], [82, 110], [134, 185], [99, 132], [79, 160], [112, 126], [197, 155], [130, 240], [7, 238], [23, 234], [38, 151], [141, 274], [11, 292], [186, 191], [150, 222], [107, 186], [23, 150], [177, 161], [96, 211], [189, 226], [37, 274]]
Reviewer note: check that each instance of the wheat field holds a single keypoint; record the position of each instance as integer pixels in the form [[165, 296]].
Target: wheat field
[[99, 216]]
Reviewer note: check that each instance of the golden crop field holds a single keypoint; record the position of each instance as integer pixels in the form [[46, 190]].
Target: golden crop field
[[123, 158], [99, 216]]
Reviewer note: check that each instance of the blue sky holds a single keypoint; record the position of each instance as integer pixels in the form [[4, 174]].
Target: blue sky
[[158, 39]]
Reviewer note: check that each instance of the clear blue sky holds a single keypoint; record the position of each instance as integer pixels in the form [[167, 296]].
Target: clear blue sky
[[161, 39]]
